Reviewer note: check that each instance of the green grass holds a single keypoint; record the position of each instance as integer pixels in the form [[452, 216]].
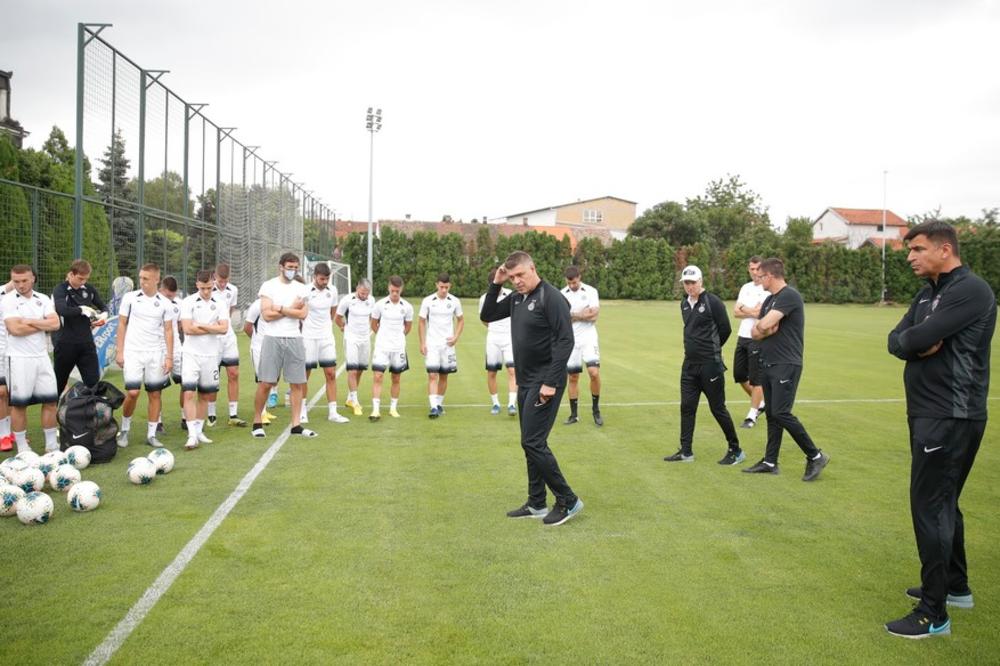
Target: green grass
[[387, 543]]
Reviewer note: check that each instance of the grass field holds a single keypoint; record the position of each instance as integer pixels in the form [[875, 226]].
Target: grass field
[[387, 542]]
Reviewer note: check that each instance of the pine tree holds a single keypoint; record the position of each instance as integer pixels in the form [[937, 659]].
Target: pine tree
[[112, 179]]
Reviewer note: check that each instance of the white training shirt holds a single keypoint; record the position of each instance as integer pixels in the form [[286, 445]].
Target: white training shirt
[[229, 296], [3, 330], [497, 329], [440, 315], [145, 316], [252, 317], [356, 312], [392, 318], [751, 295], [34, 306], [318, 324], [584, 297], [282, 294], [200, 311], [175, 306]]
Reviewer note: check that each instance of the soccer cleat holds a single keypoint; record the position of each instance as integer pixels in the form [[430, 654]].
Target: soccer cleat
[[762, 468], [258, 431], [184, 425], [304, 432], [203, 439], [511, 410], [7, 443], [155, 443], [210, 422], [815, 466], [680, 456], [337, 418], [962, 600], [919, 624], [374, 416], [393, 413], [560, 514], [494, 410], [733, 457], [597, 419], [266, 419], [191, 444], [237, 421], [434, 413], [528, 511], [122, 439], [358, 411], [748, 423], [272, 400], [159, 428], [571, 420]]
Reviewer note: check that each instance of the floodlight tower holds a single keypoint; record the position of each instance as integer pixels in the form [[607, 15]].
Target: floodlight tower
[[373, 123]]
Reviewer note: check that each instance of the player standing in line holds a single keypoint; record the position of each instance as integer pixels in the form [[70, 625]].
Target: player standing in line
[[29, 316], [250, 321], [499, 352], [6, 439], [584, 306], [392, 319], [317, 336], [353, 318], [229, 350], [78, 306], [204, 320], [169, 289], [438, 336], [145, 350], [747, 353]]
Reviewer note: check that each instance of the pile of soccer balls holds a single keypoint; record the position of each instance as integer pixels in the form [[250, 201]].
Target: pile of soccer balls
[[142, 471]]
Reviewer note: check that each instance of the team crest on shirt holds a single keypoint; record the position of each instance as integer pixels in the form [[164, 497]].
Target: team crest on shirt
[[701, 308], [447, 306], [531, 306], [156, 303], [212, 307]]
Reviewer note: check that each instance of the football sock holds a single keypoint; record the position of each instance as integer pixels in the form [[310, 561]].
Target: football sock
[[211, 409], [512, 398], [151, 430], [752, 414], [22, 440], [393, 402], [572, 406], [352, 396], [331, 407], [376, 403], [5, 426], [126, 423], [495, 399], [50, 438], [234, 408], [596, 402]]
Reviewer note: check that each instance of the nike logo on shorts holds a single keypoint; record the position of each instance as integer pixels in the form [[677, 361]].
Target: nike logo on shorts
[[79, 436], [713, 379], [784, 381], [926, 450], [924, 300]]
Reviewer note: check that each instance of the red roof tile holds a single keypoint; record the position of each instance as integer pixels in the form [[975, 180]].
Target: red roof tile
[[870, 216]]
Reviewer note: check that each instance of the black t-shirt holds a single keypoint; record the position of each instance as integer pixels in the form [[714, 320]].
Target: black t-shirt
[[787, 344]]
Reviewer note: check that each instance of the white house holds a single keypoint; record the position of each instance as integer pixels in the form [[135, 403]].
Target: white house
[[854, 227]]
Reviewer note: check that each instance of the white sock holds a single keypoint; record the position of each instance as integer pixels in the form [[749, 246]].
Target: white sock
[[393, 402], [512, 399], [332, 407], [376, 403], [183, 418], [234, 408], [195, 427], [752, 414], [50, 438], [439, 399], [431, 399], [495, 399], [22, 441], [151, 430], [126, 423], [211, 409], [5, 426], [352, 396]]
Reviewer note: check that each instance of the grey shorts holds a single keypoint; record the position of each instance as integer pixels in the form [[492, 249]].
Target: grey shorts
[[282, 357]]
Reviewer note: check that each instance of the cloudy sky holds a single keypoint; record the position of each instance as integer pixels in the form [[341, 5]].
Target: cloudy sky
[[496, 107]]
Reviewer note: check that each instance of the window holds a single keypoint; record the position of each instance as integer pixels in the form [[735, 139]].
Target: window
[[593, 216]]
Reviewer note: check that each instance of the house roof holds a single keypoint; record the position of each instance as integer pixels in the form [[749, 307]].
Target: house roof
[[867, 216], [572, 203]]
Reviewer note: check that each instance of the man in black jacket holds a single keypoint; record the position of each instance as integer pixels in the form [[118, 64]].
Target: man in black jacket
[[945, 340], [542, 337], [706, 329], [80, 308]]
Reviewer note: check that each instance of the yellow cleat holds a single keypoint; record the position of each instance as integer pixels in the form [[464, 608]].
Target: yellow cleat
[[393, 413], [357, 409]]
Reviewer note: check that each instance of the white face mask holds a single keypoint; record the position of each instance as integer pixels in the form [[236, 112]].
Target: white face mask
[[290, 275]]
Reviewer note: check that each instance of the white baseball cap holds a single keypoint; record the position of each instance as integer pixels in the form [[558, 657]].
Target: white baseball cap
[[690, 274]]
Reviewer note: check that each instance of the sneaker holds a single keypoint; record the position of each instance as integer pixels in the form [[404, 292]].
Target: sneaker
[[159, 428], [184, 425], [680, 456], [560, 514], [511, 410], [571, 420], [266, 419], [210, 422], [434, 413], [494, 410], [919, 624], [358, 411], [7, 443], [203, 439], [374, 416], [337, 418], [393, 413], [272, 400], [815, 466], [748, 423], [237, 421], [155, 443], [963, 600], [762, 468], [258, 431], [122, 439], [191, 444], [733, 457], [528, 511], [597, 419], [304, 432]]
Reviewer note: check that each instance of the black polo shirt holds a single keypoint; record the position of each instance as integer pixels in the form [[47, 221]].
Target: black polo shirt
[[787, 345]]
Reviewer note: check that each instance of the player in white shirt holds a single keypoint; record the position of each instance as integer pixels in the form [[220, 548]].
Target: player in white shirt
[[29, 317], [282, 353], [229, 350], [6, 439], [354, 319], [439, 334], [250, 321], [145, 350], [317, 335], [584, 307], [204, 319], [499, 352], [169, 290], [392, 320], [747, 353]]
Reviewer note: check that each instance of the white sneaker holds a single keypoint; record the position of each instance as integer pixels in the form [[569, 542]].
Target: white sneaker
[[122, 439], [191, 444], [258, 433], [337, 418], [203, 439]]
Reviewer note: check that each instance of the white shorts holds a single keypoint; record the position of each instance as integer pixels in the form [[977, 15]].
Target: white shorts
[[393, 361], [31, 380], [499, 353], [175, 371], [145, 367], [357, 351], [200, 373], [255, 356], [585, 353], [3, 367], [441, 359], [229, 350], [320, 352]]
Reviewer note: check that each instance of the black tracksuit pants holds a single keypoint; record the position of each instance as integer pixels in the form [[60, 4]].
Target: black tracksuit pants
[[543, 469], [781, 381], [942, 452], [79, 353], [707, 378]]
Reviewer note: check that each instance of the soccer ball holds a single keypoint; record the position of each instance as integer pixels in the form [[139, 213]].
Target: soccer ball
[[50, 461], [29, 479], [29, 457], [163, 460], [63, 477], [84, 496], [9, 497], [141, 471], [78, 456], [11, 465], [35, 509]]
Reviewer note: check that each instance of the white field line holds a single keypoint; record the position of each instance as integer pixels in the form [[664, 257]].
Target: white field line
[[114, 640], [665, 403]]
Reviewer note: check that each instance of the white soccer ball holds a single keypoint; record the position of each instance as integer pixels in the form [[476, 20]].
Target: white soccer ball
[[78, 456], [11, 465], [141, 471], [29, 479], [50, 461], [163, 460], [29, 457], [63, 477], [9, 497], [84, 496], [35, 509]]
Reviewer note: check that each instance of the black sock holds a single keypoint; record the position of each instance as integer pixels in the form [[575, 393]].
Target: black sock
[[258, 426], [297, 430], [572, 406], [596, 402]]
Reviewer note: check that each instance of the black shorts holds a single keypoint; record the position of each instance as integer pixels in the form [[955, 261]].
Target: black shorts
[[746, 362]]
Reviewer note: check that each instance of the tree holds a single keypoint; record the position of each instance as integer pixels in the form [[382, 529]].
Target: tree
[[15, 216], [727, 209], [670, 221], [112, 178], [798, 231]]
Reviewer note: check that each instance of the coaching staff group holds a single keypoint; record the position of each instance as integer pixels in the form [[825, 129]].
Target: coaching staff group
[[542, 337]]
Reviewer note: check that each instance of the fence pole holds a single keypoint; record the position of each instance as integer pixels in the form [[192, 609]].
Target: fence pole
[[81, 31], [140, 232]]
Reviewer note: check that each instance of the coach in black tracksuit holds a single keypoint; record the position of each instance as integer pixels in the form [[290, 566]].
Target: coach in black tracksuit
[[945, 340], [706, 329], [542, 336], [73, 343]]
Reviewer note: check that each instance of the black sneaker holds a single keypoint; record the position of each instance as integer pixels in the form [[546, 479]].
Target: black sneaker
[[560, 514], [814, 466], [955, 600], [597, 419], [733, 457], [680, 456], [184, 425], [528, 511], [159, 428], [211, 421], [919, 624], [762, 468], [571, 420], [748, 423]]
